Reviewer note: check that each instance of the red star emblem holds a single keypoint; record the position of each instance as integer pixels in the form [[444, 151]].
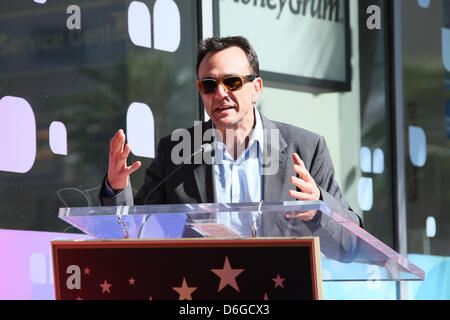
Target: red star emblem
[[184, 291], [105, 286], [227, 275], [131, 281], [278, 281]]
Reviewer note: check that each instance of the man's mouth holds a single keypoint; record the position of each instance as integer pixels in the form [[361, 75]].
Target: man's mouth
[[219, 109]]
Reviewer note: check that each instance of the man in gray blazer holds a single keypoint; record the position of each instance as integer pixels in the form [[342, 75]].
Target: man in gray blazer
[[280, 162]]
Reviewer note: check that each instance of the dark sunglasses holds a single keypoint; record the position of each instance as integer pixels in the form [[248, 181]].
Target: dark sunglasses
[[230, 83]]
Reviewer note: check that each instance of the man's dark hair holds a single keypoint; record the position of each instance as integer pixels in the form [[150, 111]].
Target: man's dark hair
[[215, 44]]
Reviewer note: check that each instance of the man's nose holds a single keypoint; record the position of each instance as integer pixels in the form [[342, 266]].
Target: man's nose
[[221, 91]]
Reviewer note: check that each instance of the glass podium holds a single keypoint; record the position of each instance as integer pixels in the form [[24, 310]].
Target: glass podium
[[348, 252]]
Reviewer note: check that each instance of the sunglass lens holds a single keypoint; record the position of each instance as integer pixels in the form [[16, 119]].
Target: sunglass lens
[[233, 83], [209, 85]]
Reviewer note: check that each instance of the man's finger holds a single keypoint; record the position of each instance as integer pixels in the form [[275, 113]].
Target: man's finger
[[117, 142], [304, 174], [304, 215], [300, 168], [297, 159], [134, 167], [300, 195], [126, 152], [301, 184], [118, 162]]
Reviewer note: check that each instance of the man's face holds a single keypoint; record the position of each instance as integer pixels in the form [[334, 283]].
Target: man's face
[[229, 109]]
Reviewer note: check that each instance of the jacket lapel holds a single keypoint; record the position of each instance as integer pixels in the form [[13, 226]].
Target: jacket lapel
[[274, 162], [204, 175]]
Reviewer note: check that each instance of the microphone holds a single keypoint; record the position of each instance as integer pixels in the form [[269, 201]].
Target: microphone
[[206, 147]]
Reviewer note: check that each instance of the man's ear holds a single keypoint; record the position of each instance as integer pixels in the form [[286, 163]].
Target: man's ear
[[257, 88]]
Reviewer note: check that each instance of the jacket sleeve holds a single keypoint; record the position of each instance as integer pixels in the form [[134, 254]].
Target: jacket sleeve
[[322, 171], [153, 176], [122, 198]]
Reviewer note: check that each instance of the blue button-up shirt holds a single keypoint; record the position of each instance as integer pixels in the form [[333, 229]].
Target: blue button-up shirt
[[240, 180]]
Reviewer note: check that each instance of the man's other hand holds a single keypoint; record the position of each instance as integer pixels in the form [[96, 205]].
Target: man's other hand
[[118, 171], [308, 189]]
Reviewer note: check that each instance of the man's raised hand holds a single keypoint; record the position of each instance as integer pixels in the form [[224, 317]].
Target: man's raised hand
[[118, 171]]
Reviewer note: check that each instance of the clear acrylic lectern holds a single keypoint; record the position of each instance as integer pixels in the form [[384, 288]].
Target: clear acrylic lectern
[[348, 251]]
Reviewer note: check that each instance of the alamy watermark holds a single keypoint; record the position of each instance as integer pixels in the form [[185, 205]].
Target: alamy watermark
[[73, 22], [185, 151], [374, 20]]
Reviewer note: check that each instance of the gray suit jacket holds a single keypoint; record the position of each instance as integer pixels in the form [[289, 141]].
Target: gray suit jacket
[[194, 183]]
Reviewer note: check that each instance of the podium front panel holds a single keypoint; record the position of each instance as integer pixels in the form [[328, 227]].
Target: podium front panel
[[195, 269]]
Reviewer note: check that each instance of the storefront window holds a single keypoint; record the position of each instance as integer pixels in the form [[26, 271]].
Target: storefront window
[[426, 113], [71, 75]]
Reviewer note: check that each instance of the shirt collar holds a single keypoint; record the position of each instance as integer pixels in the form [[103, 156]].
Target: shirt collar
[[257, 135]]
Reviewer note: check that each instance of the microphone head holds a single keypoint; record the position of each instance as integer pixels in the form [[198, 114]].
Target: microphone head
[[207, 147]]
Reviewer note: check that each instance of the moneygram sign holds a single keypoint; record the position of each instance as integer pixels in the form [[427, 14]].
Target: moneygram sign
[[303, 42], [320, 9]]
